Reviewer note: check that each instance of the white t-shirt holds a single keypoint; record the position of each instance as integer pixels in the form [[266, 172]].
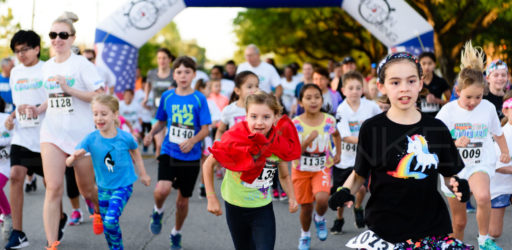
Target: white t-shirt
[[214, 110], [349, 123], [267, 74], [130, 112], [145, 114], [232, 114], [502, 183], [5, 147], [108, 79], [479, 125], [226, 87], [27, 88], [68, 119], [288, 92]]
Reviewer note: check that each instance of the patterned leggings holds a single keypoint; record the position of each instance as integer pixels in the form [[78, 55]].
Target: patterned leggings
[[112, 202]]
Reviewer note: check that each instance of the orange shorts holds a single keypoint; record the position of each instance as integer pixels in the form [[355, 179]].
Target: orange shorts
[[307, 184]]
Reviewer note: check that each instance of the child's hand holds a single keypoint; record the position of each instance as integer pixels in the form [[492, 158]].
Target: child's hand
[[214, 206], [311, 137], [460, 187], [147, 139], [462, 142], [505, 158], [145, 179], [293, 206], [186, 146], [9, 123], [76, 155], [431, 98], [337, 158]]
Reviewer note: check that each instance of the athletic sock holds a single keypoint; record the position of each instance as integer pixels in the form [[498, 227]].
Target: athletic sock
[[304, 234], [159, 210], [482, 239], [318, 218], [174, 231]]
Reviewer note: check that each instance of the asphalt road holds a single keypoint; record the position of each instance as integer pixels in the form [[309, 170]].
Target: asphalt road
[[201, 230]]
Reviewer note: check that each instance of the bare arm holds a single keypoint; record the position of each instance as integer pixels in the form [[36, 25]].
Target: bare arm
[[279, 92], [502, 143], [286, 183], [336, 137], [85, 96], [505, 170], [137, 159], [187, 145], [354, 182], [351, 139], [213, 202], [220, 130], [159, 125]]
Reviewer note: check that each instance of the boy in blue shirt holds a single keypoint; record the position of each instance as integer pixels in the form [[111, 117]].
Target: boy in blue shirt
[[185, 113]]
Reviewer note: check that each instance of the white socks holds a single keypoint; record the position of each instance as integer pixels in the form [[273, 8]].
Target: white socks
[[304, 234], [174, 231], [318, 218], [159, 210], [482, 239]]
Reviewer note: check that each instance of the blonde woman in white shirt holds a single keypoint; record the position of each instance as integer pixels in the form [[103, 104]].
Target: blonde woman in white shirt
[[70, 81]]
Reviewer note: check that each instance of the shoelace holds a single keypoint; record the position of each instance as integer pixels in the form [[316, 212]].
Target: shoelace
[[321, 225]]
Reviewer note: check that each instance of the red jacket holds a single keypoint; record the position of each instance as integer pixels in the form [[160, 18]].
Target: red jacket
[[242, 151]]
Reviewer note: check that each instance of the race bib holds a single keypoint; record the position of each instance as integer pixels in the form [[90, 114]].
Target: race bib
[[163, 84], [265, 178], [369, 240], [5, 153], [348, 149], [429, 107], [179, 133], [60, 103], [472, 153], [311, 162], [26, 122]]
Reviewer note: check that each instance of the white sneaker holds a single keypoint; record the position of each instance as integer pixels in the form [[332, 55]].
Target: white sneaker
[[7, 227]]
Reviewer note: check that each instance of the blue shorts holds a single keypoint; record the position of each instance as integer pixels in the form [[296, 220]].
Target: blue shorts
[[501, 201]]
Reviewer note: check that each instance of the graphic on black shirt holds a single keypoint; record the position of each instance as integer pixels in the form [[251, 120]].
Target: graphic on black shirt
[[417, 148], [109, 162]]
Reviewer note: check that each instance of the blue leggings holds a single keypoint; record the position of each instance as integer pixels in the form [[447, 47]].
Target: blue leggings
[[112, 202]]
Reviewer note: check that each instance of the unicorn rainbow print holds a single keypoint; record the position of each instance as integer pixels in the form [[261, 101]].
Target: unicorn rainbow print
[[417, 148]]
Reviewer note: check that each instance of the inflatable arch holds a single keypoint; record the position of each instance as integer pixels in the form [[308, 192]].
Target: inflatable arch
[[119, 37]]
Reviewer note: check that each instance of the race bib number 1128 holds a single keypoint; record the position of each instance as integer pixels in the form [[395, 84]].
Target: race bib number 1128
[[61, 103]]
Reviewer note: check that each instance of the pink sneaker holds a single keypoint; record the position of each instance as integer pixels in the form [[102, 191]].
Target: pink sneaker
[[76, 218]]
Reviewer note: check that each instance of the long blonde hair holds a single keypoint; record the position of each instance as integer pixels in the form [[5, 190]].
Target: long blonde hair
[[472, 67]]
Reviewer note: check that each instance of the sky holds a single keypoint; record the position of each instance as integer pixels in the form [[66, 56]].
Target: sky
[[215, 33]]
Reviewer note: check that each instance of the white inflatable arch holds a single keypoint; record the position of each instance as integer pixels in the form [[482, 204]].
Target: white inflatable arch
[[119, 37]]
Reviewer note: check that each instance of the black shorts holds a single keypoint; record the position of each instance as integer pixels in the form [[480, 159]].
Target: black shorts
[[182, 174], [339, 176], [26, 158]]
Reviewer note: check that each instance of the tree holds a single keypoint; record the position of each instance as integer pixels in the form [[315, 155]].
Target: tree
[[456, 22], [7, 30], [307, 34]]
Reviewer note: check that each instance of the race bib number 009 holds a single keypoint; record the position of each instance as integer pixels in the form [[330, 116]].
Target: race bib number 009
[[179, 133], [312, 162], [369, 240], [60, 103], [472, 153]]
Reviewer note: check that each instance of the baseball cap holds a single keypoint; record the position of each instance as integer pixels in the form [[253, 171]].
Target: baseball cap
[[348, 59]]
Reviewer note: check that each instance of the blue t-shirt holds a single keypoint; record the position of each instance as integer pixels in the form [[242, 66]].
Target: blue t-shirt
[[5, 93], [184, 116], [111, 159]]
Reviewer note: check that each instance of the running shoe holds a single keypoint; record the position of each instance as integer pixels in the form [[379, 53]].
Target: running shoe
[[76, 218], [97, 223], [62, 226], [175, 242], [31, 186], [337, 227], [283, 196], [489, 244], [469, 207], [202, 192], [359, 215], [90, 206], [6, 227], [53, 246], [275, 194], [321, 229], [17, 240], [155, 225], [304, 243]]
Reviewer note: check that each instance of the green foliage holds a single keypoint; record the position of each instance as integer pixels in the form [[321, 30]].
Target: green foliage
[[7, 30], [307, 34]]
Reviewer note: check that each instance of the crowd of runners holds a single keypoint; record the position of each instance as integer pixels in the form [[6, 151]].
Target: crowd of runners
[[316, 137]]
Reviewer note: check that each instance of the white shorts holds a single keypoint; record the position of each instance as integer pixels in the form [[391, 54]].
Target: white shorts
[[467, 172]]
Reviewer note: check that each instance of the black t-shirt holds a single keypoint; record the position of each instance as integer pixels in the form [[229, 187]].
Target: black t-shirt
[[436, 87], [403, 163], [497, 101]]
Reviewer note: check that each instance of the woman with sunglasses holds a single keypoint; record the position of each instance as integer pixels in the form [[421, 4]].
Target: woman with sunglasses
[[70, 82]]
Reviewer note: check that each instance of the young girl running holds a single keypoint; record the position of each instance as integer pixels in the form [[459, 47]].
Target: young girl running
[[403, 151], [501, 182], [5, 167], [473, 123], [497, 76], [112, 151], [311, 175], [252, 151]]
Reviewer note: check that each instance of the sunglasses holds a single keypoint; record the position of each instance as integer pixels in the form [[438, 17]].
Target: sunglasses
[[62, 35]]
